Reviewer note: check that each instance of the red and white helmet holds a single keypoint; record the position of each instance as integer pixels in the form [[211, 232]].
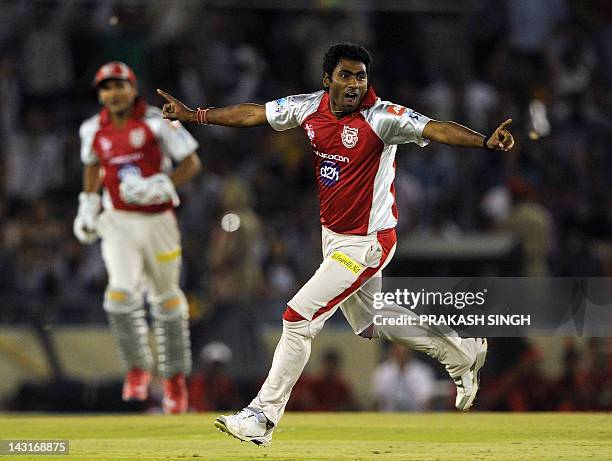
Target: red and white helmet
[[116, 70]]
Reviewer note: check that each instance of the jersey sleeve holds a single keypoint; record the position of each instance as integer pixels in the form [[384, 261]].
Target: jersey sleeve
[[396, 124], [290, 111], [174, 140], [87, 132]]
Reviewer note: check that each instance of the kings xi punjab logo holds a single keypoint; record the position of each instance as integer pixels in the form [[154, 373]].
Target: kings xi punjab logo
[[349, 136], [137, 138]]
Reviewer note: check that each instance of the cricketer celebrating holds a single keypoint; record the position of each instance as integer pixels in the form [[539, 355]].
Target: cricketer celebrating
[[128, 148], [354, 136]]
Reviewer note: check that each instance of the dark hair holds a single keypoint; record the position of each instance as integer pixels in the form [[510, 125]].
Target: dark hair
[[345, 50]]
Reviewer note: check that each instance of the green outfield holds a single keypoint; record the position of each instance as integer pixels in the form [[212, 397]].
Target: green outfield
[[323, 436]]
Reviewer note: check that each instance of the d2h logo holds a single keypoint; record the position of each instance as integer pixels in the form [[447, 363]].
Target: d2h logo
[[329, 173]]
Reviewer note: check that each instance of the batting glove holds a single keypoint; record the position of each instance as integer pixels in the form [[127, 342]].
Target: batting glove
[[84, 226], [154, 190]]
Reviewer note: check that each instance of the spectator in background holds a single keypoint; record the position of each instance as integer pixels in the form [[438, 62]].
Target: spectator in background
[[10, 95], [41, 271], [330, 390], [456, 96], [211, 387], [34, 162], [598, 361], [402, 382], [519, 386], [236, 272], [532, 225], [531, 26], [585, 383], [279, 269], [234, 280], [46, 57], [326, 390], [312, 32]]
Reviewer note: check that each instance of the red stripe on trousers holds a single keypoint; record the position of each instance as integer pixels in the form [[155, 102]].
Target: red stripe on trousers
[[387, 238]]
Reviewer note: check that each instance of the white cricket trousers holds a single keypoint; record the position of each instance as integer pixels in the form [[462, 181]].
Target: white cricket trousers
[[141, 249], [348, 278]]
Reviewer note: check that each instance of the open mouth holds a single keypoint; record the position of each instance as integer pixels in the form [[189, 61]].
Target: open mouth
[[351, 98]]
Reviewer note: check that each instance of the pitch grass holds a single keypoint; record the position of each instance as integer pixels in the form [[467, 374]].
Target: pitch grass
[[325, 436]]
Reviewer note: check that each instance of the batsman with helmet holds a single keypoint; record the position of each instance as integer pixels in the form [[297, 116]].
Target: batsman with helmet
[[127, 150]]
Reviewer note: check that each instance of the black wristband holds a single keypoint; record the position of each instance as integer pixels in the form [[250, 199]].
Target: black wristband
[[485, 146]]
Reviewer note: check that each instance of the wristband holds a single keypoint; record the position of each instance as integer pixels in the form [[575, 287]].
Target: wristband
[[201, 116], [485, 146]]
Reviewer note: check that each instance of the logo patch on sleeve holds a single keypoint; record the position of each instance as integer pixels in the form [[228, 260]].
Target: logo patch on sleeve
[[396, 110], [347, 262], [280, 105]]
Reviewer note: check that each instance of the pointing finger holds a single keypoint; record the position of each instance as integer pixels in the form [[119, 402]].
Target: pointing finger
[[166, 95], [505, 124]]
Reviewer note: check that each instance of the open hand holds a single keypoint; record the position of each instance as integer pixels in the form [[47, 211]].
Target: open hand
[[501, 139], [174, 109]]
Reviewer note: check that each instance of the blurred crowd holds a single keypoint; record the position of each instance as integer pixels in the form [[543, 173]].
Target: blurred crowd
[[546, 64], [405, 382]]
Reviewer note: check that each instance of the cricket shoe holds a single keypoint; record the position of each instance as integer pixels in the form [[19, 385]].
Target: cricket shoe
[[468, 383], [175, 399], [136, 385], [249, 425]]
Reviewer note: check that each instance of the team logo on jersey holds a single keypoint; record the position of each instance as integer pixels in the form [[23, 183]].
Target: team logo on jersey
[[137, 138], [310, 132], [396, 110], [329, 173], [349, 136]]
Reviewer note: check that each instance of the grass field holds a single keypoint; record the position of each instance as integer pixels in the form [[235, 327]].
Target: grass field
[[323, 436]]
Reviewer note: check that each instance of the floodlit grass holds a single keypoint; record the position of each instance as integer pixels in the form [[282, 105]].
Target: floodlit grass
[[325, 436]]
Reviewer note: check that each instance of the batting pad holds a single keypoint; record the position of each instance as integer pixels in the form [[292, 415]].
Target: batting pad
[[127, 319], [171, 330]]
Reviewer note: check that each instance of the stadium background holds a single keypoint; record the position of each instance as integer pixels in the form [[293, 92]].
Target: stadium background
[[544, 209]]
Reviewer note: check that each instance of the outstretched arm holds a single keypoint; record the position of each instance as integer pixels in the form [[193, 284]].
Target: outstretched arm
[[457, 135], [240, 115]]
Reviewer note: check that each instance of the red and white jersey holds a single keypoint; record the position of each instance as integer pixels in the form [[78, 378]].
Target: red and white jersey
[[354, 156], [144, 146]]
